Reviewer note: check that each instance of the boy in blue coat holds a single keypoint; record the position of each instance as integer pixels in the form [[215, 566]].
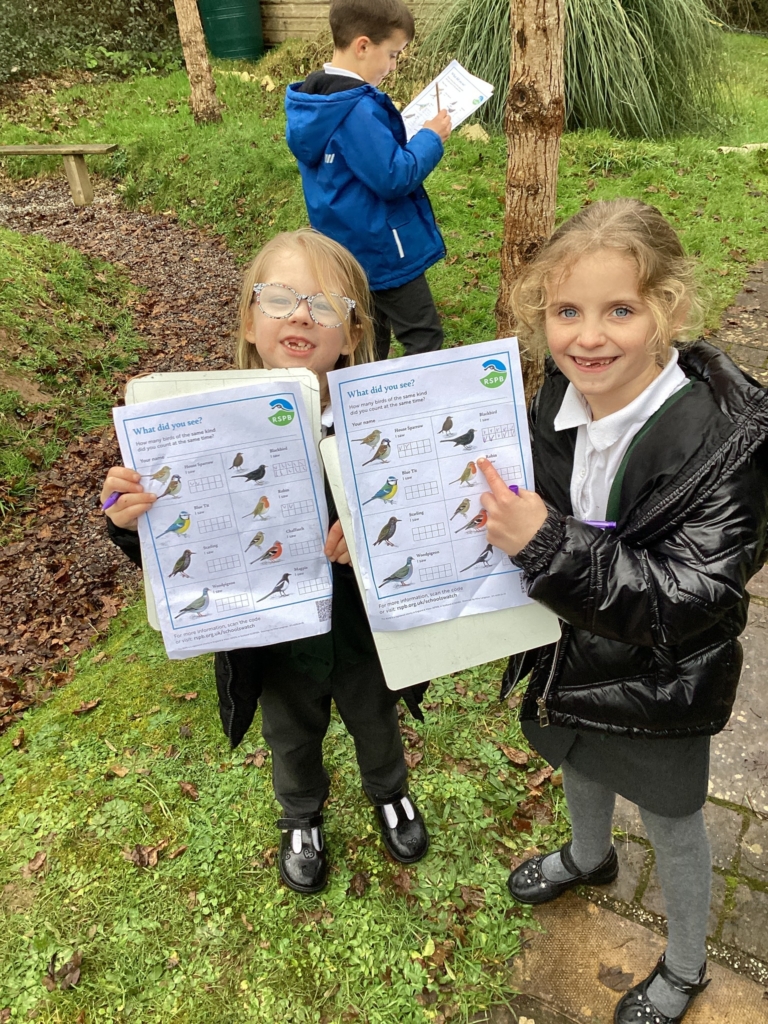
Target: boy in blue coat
[[362, 180]]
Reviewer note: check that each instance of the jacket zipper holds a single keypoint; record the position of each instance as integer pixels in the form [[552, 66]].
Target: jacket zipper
[[399, 244], [229, 695], [542, 700]]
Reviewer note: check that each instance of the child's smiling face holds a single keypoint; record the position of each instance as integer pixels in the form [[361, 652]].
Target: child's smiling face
[[598, 330], [295, 340]]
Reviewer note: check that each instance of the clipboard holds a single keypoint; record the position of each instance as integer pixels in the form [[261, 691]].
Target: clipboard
[[167, 385], [410, 656]]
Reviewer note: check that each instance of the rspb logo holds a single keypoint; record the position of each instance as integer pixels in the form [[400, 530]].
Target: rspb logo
[[496, 373], [283, 412]]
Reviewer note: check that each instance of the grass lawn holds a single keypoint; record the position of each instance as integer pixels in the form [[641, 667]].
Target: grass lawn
[[208, 935]]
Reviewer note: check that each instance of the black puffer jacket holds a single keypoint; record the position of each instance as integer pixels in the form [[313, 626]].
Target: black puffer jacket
[[652, 610]]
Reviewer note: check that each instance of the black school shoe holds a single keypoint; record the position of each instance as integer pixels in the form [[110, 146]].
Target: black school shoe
[[635, 1007], [403, 830], [529, 885], [303, 862]]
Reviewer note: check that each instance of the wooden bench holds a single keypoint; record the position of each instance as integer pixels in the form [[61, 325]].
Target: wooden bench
[[74, 165]]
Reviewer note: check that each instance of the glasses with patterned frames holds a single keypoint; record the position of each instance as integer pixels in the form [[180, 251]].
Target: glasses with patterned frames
[[279, 301]]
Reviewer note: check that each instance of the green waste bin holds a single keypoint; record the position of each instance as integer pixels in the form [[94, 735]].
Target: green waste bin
[[233, 28]]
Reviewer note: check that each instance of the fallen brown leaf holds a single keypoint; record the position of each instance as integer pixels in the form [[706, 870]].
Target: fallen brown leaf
[[515, 756], [401, 882], [359, 883], [189, 790], [413, 757], [119, 771], [536, 778], [145, 856], [35, 865], [246, 922], [18, 740], [177, 852], [185, 696], [614, 978], [473, 896], [257, 758], [185, 731], [87, 705]]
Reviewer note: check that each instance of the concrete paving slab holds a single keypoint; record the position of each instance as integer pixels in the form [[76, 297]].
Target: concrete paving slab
[[747, 925], [559, 967], [724, 827], [754, 851], [631, 863], [653, 900], [758, 585], [626, 818]]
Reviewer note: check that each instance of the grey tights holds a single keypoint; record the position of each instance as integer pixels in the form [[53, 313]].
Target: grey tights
[[683, 861]]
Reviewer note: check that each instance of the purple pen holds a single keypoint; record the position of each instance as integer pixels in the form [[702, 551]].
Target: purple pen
[[514, 488], [603, 524], [110, 500]]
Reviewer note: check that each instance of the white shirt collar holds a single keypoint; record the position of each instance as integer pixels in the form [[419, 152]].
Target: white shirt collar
[[575, 412], [329, 69]]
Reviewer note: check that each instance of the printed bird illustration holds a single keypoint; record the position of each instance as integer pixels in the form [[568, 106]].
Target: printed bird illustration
[[447, 426], [281, 588], [237, 461], [387, 532], [256, 541], [462, 508], [161, 475], [173, 487], [254, 476], [481, 559], [401, 575], [182, 564], [260, 508], [477, 523], [271, 555], [178, 526], [382, 452], [386, 492], [470, 470], [463, 440], [371, 440], [197, 606]]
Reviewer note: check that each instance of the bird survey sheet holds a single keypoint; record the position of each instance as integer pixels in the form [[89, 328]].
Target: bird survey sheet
[[234, 542], [409, 434], [454, 90]]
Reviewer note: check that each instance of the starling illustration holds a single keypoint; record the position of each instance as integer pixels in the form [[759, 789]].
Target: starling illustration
[[182, 564], [386, 492], [482, 559], [178, 526], [462, 508], [254, 476], [280, 588], [161, 475], [237, 461], [401, 575], [371, 440], [261, 507], [256, 541], [470, 470], [271, 555], [173, 487], [387, 532], [463, 440], [447, 426], [382, 452], [477, 523], [197, 606]]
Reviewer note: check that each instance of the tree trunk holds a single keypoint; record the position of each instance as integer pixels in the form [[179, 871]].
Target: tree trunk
[[533, 124], [205, 106]]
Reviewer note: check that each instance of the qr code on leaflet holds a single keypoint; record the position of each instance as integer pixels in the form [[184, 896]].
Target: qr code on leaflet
[[324, 609]]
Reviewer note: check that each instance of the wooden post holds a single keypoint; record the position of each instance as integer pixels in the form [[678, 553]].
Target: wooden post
[[533, 123], [79, 182], [205, 106]]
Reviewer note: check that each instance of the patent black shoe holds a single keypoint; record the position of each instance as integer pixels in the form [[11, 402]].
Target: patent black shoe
[[303, 863], [635, 1007], [403, 830], [528, 883]]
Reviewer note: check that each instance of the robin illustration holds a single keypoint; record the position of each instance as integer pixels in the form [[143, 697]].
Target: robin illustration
[[482, 559], [281, 588], [463, 440], [198, 606], [173, 487], [470, 470], [401, 575], [160, 476], [237, 461], [182, 564], [254, 476], [178, 526], [261, 507], [462, 508], [256, 541], [387, 532], [386, 492], [371, 440], [271, 555], [382, 452], [447, 426], [475, 524]]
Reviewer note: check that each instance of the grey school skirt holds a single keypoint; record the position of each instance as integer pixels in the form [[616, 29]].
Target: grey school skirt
[[666, 776]]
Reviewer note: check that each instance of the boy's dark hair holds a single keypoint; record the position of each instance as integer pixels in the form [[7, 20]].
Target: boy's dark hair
[[377, 19]]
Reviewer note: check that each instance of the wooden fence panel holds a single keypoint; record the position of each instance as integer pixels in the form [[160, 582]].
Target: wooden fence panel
[[283, 20]]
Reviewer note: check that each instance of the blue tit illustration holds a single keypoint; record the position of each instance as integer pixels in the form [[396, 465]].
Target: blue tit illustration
[[182, 564], [463, 440], [281, 588], [381, 454], [482, 559], [179, 526], [371, 440], [386, 492], [160, 476], [387, 532], [198, 606], [254, 476], [401, 575], [173, 487], [447, 426]]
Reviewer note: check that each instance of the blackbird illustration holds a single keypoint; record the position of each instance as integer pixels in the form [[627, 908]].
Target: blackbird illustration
[[178, 526], [386, 492], [387, 532], [237, 461], [197, 606], [482, 559], [182, 564], [161, 475], [173, 487], [256, 541], [280, 588], [261, 507], [401, 575], [470, 470], [463, 440], [254, 476], [381, 454], [271, 555], [477, 523], [462, 508], [371, 440], [447, 426]]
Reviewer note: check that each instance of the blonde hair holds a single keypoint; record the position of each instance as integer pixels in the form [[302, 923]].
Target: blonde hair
[[636, 231], [336, 271]]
